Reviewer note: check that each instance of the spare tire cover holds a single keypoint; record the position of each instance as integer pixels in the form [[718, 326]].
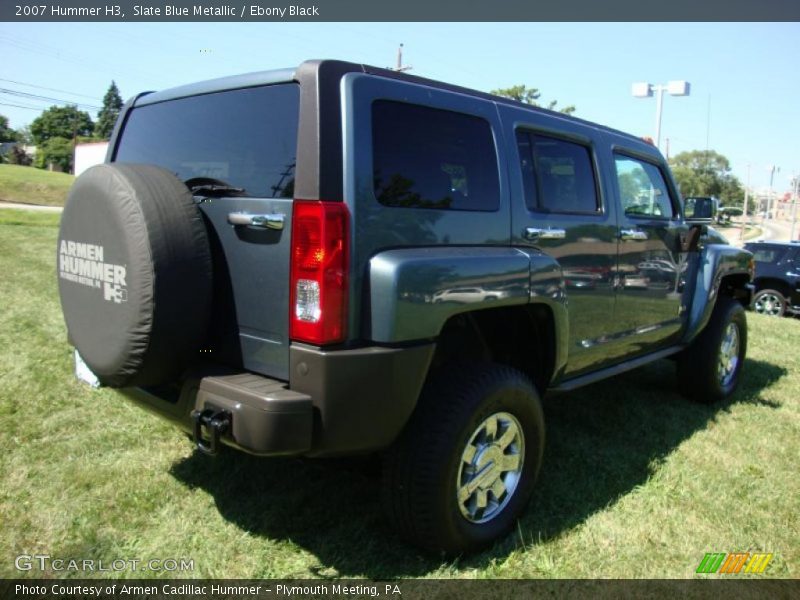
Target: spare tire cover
[[134, 273]]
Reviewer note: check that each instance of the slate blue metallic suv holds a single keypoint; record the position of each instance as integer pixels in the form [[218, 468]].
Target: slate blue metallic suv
[[338, 259]]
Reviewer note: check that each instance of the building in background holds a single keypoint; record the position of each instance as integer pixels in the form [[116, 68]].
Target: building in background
[[87, 155]]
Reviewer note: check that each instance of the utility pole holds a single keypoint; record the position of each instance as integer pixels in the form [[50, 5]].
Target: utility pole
[[400, 68]]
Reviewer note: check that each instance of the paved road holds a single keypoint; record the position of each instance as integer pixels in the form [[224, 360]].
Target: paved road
[[4, 204], [777, 230]]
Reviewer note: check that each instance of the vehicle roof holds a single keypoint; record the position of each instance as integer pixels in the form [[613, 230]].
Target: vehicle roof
[[792, 244], [291, 74]]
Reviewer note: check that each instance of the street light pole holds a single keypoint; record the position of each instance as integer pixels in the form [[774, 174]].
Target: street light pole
[[659, 89], [646, 90], [772, 170], [746, 198], [794, 207]]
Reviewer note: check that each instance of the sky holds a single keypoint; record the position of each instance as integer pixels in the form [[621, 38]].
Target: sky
[[745, 83]]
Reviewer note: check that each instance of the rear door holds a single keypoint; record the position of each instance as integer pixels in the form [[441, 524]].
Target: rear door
[[238, 147], [560, 206]]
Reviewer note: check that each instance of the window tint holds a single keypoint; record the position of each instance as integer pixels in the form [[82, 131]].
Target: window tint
[[558, 175], [430, 158], [243, 138], [643, 191]]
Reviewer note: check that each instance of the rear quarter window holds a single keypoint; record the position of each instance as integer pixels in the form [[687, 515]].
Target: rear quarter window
[[431, 158], [243, 138]]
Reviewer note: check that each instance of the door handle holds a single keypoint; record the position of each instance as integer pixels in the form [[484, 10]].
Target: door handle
[[269, 221], [632, 234], [536, 233]]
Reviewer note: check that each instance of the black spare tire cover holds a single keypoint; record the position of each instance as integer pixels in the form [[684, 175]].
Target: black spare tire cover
[[134, 273]]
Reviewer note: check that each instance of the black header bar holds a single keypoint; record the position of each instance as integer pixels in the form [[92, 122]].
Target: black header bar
[[398, 10]]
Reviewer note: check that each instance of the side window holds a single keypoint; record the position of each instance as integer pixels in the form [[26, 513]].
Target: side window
[[557, 174], [430, 158], [767, 255], [642, 189]]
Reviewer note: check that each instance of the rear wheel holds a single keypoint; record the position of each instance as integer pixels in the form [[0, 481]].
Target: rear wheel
[[770, 302], [709, 369], [464, 468]]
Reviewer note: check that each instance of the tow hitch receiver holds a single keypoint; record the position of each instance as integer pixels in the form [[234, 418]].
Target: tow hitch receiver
[[216, 422]]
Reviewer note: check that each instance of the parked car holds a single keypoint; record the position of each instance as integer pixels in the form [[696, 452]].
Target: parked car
[[777, 277], [300, 262]]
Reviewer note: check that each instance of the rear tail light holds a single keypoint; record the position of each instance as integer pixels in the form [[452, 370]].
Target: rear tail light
[[319, 265]]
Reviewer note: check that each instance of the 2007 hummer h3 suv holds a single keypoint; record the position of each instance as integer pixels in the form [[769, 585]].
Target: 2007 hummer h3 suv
[[340, 259]]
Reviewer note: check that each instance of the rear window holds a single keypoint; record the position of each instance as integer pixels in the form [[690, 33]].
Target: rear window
[[430, 158], [241, 138]]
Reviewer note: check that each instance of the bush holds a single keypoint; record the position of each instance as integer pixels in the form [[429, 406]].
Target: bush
[[56, 151], [18, 156]]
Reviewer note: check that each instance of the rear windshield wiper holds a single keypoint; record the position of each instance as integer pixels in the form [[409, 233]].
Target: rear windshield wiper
[[213, 189]]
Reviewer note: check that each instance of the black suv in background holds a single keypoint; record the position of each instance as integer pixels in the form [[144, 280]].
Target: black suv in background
[[777, 277]]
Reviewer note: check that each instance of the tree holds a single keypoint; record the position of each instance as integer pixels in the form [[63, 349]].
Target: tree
[[61, 121], [707, 173], [522, 93], [112, 103], [24, 135], [56, 151], [6, 133]]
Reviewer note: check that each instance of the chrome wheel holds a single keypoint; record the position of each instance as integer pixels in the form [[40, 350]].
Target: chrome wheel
[[491, 468], [769, 304], [728, 355]]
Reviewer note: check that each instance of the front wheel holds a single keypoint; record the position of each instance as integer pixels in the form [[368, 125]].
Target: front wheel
[[709, 370], [464, 468], [769, 302]]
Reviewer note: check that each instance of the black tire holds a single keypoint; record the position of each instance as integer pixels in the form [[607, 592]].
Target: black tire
[[769, 302], [134, 273], [701, 375], [421, 471]]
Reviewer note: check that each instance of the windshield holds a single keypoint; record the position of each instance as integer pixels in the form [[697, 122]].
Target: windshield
[[244, 141]]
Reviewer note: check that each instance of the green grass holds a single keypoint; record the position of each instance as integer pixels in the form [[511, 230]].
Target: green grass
[[33, 186], [637, 482]]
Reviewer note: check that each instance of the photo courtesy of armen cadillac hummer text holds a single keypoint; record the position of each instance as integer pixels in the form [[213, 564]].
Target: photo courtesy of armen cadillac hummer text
[[337, 259]]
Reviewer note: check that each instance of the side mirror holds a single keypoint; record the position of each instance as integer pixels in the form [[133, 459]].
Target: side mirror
[[700, 211]]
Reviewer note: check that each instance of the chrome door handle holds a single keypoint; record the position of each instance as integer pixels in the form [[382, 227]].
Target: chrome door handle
[[632, 234], [270, 221], [536, 233]]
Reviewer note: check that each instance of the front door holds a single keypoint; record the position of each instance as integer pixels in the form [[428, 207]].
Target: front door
[[651, 270]]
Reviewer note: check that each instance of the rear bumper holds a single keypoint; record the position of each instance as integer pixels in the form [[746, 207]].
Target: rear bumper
[[337, 402]]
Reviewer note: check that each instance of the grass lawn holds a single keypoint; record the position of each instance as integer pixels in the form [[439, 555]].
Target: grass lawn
[[33, 186], [637, 482]]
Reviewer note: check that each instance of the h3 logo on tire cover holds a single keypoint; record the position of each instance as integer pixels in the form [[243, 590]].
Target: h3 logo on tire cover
[[84, 264]]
